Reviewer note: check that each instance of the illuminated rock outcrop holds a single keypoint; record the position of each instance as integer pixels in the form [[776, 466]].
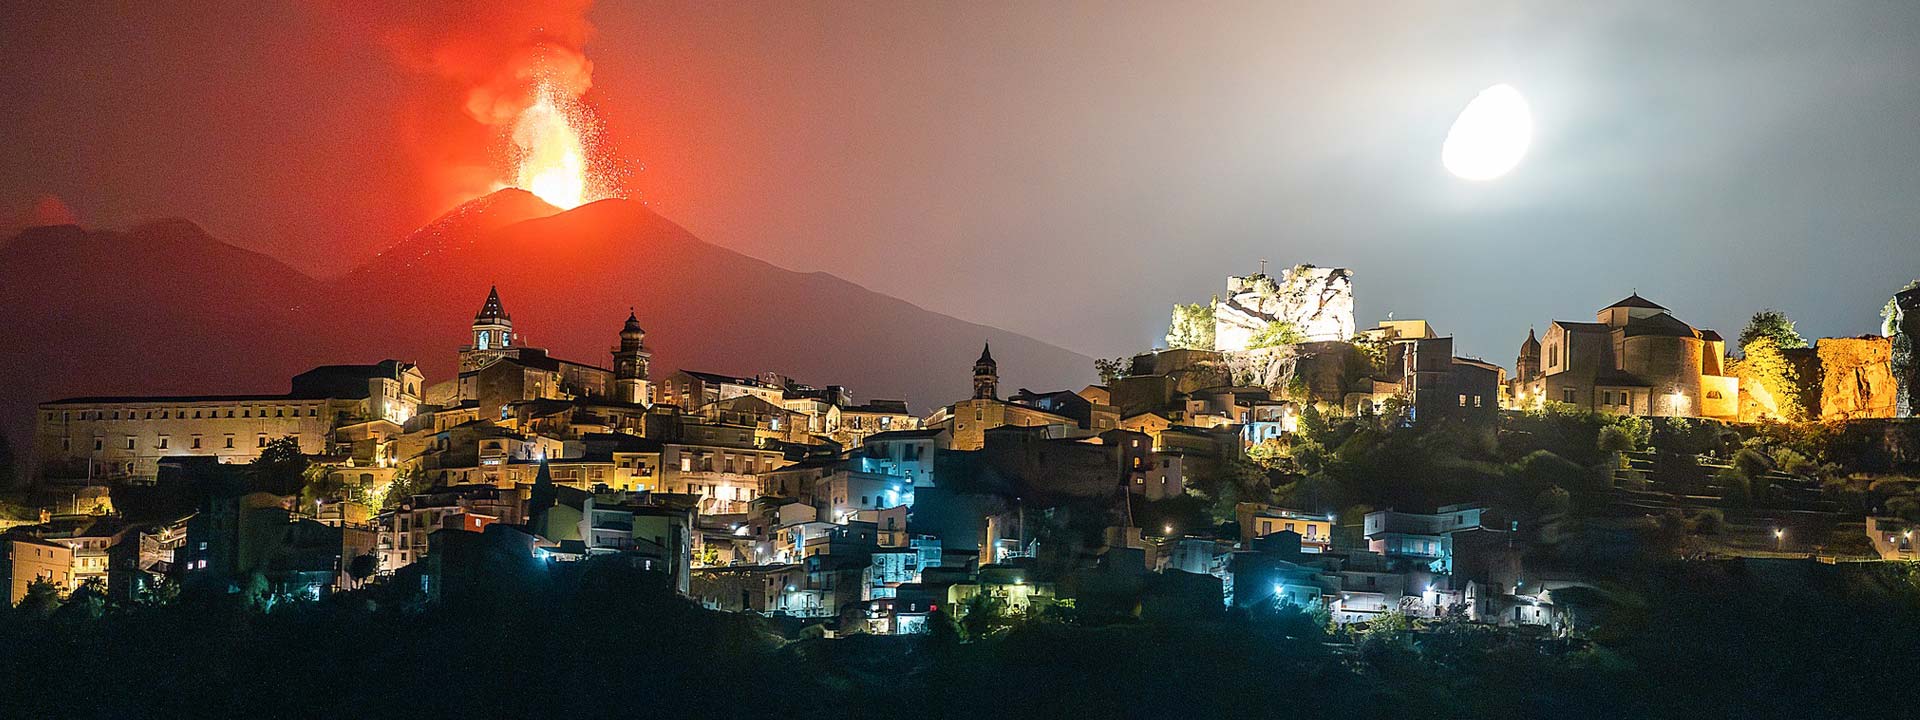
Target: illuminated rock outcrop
[[1838, 379], [1317, 301], [1856, 378]]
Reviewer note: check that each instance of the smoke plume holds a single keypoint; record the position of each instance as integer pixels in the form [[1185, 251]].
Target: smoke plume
[[486, 62]]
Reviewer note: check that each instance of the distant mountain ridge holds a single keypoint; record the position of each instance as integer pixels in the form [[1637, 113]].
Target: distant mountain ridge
[[165, 308]]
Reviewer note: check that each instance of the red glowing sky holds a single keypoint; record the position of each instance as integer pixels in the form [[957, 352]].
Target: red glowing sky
[[989, 159]]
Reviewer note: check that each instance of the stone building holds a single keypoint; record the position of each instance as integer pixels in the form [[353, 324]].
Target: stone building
[[125, 437], [1421, 369], [630, 364], [1636, 358], [692, 390], [496, 370], [24, 559], [968, 421]]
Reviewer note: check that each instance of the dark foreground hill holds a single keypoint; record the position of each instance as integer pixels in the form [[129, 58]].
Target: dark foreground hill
[[1683, 640]]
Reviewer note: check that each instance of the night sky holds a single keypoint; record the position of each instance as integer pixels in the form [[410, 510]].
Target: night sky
[[1066, 171]]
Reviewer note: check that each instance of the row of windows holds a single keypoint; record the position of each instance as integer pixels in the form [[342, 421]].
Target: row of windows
[[164, 442], [1463, 400], [749, 463], [279, 412]]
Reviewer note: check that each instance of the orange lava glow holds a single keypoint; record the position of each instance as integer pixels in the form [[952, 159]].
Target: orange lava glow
[[550, 150]]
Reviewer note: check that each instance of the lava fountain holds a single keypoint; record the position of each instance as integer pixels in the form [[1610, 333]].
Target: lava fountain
[[550, 152]]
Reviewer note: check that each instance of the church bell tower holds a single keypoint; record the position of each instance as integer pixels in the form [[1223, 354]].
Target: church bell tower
[[492, 334], [986, 375], [630, 362]]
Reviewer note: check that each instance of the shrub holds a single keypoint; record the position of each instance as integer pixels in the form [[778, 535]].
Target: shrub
[[1710, 521]]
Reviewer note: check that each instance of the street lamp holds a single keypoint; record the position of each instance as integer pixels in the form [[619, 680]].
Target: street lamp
[[1779, 539]]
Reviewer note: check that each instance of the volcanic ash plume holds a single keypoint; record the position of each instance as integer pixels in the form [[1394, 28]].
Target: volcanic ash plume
[[523, 75]]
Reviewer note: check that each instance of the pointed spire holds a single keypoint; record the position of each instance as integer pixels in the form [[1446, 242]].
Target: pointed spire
[[542, 498], [986, 353], [492, 308]]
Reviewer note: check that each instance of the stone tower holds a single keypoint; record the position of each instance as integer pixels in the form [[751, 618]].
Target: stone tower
[[986, 375], [492, 334], [630, 362], [1527, 368]]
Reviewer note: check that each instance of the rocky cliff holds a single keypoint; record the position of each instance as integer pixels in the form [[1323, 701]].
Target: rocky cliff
[[1856, 378], [1316, 301]]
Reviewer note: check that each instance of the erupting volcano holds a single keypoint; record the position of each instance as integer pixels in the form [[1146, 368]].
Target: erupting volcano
[[552, 140]]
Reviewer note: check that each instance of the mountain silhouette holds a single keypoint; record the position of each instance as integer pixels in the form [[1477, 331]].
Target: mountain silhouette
[[163, 308]]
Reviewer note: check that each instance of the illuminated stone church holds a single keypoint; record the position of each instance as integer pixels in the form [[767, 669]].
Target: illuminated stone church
[[497, 369], [1636, 358]]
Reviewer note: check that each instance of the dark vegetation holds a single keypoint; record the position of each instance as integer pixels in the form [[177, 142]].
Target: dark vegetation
[[1754, 639]]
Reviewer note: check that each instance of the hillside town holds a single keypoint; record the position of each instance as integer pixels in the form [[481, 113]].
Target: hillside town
[[1274, 452]]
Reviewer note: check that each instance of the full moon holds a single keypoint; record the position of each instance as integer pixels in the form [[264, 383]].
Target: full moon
[[1491, 135]]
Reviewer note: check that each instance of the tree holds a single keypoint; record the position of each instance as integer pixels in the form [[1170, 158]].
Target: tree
[[363, 567], [41, 599], [164, 591], [1111, 370], [1553, 501], [983, 615], [281, 468], [86, 602], [1276, 334], [942, 631], [318, 482], [1615, 440], [1769, 365], [1192, 327], [1269, 454], [404, 486], [1711, 521], [1774, 325]]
